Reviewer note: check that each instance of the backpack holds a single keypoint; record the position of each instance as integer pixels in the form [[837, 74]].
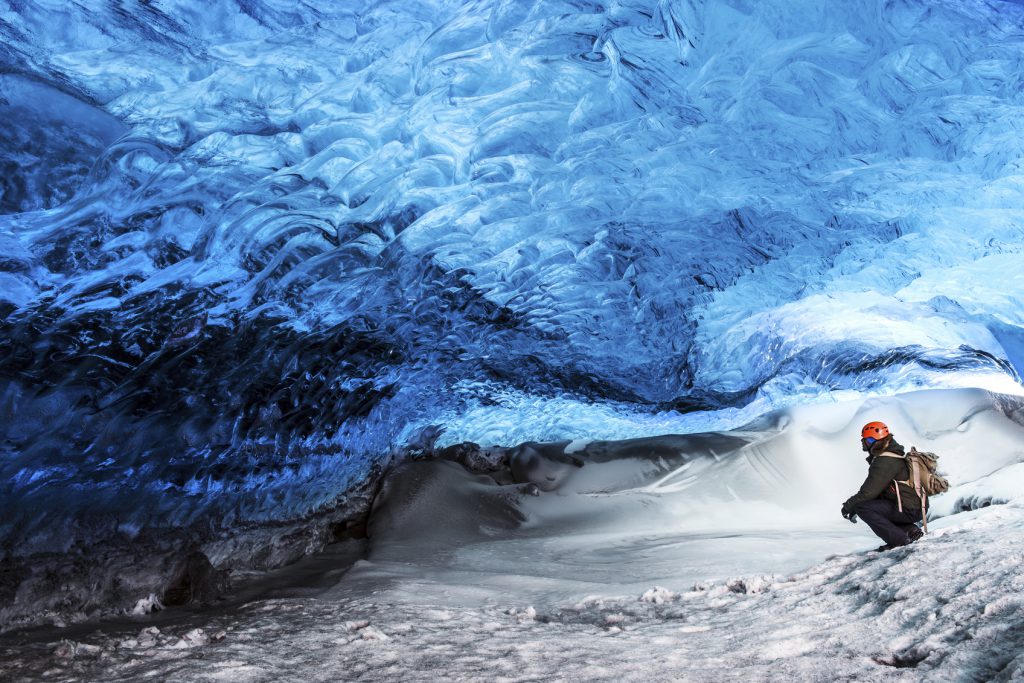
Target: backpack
[[924, 479], [923, 470]]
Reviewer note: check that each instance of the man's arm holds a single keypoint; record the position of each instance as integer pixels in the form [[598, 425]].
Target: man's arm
[[881, 472]]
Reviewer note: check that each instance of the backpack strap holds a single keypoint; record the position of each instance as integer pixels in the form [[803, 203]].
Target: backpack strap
[[896, 482], [887, 454], [915, 478], [915, 482]]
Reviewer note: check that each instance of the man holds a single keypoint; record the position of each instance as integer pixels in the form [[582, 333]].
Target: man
[[885, 501]]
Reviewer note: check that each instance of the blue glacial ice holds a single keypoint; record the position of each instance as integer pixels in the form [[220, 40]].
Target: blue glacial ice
[[249, 248]]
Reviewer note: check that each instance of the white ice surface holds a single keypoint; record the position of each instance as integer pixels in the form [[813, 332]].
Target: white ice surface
[[732, 566]]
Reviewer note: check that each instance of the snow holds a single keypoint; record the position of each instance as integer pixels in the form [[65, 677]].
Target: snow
[[607, 577], [946, 608], [150, 603], [1002, 486], [658, 595]]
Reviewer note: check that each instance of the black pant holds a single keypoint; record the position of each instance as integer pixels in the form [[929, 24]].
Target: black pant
[[886, 520]]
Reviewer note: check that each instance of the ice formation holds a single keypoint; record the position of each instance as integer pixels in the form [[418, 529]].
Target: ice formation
[[247, 249]]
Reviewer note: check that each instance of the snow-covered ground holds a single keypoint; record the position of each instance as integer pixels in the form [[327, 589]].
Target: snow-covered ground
[[727, 561]]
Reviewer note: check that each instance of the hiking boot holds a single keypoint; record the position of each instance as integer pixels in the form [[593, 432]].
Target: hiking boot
[[883, 548], [914, 535]]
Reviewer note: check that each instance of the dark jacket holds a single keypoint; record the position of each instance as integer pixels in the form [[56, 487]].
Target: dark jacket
[[882, 472]]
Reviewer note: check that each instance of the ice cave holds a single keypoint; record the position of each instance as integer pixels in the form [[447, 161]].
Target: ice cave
[[508, 340]]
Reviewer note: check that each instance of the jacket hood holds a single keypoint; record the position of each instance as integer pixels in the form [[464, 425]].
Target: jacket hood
[[888, 444]]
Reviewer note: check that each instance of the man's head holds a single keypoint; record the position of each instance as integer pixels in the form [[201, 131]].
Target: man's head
[[872, 433]]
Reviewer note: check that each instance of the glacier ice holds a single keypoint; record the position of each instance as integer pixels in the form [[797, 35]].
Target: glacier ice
[[246, 249]]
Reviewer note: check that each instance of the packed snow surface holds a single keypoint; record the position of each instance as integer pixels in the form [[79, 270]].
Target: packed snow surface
[[726, 561]]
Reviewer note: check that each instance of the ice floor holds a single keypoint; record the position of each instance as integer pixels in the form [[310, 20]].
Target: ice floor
[[725, 562]]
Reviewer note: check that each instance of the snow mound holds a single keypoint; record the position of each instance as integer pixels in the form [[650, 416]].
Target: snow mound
[[659, 595]]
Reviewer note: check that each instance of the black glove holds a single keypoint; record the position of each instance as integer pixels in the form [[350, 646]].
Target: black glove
[[849, 514]]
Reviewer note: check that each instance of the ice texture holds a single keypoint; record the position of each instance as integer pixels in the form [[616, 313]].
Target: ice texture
[[248, 248]]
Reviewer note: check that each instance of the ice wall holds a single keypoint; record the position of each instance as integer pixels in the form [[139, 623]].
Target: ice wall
[[248, 247]]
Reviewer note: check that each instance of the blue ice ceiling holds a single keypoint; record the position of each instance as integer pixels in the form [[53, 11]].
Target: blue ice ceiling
[[246, 248]]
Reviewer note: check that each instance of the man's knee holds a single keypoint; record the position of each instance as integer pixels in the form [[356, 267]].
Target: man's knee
[[869, 507]]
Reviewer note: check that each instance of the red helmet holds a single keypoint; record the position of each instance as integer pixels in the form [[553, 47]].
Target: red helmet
[[876, 430]]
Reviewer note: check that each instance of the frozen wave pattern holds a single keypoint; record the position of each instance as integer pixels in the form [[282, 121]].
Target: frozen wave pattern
[[307, 227]]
